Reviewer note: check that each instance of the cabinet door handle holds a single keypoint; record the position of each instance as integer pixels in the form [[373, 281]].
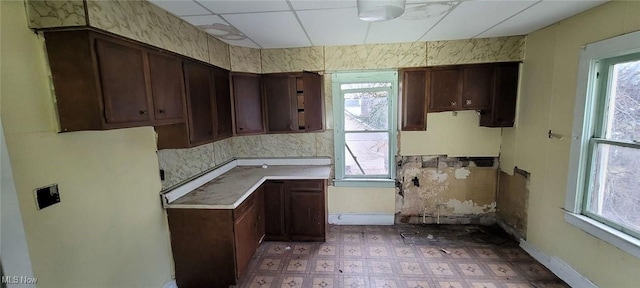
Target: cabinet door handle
[[143, 112], [240, 128], [468, 102], [161, 111], [453, 104]]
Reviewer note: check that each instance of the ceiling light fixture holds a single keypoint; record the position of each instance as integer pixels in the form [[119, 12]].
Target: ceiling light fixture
[[380, 10]]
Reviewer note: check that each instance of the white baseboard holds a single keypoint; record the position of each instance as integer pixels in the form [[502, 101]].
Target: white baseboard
[[558, 267], [171, 284], [360, 219]]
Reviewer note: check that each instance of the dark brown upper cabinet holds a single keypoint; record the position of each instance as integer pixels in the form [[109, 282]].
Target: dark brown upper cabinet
[[415, 83], [490, 88], [209, 109], [123, 80], [294, 102], [461, 87], [281, 102], [313, 99], [199, 102], [502, 111], [167, 86], [223, 115], [248, 106], [477, 86], [445, 89], [104, 82]]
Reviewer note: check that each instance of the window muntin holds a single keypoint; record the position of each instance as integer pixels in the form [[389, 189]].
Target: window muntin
[[612, 179]]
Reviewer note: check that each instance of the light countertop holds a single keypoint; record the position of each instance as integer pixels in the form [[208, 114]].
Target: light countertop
[[228, 190]]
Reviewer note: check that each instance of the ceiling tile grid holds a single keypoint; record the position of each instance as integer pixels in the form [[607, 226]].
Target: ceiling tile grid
[[301, 23]]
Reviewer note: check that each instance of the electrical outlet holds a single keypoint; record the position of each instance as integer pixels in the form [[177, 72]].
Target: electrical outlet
[[47, 196]]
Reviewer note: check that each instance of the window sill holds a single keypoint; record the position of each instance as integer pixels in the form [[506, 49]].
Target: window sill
[[599, 230], [377, 183]]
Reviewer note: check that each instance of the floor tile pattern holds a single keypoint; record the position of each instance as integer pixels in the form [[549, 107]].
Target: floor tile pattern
[[377, 256]]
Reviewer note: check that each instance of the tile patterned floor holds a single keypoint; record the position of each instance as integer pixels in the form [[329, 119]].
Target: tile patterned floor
[[376, 256]]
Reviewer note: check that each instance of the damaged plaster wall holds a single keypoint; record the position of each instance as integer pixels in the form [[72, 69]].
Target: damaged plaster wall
[[438, 189], [512, 202]]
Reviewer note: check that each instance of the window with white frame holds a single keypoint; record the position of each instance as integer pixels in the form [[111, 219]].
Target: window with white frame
[[365, 134], [604, 185]]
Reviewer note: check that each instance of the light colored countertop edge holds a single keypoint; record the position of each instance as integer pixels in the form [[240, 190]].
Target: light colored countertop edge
[[245, 195], [182, 190]]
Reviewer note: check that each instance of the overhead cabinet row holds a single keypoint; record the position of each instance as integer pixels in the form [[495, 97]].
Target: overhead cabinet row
[[490, 88], [293, 102], [105, 82]]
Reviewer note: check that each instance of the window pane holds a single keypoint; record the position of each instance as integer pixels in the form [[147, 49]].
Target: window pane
[[616, 193], [624, 105], [366, 153], [366, 111]]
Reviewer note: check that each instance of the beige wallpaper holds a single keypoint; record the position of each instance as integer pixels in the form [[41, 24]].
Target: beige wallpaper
[[218, 53], [245, 59], [375, 56], [142, 21], [292, 59], [500, 49], [43, 13]]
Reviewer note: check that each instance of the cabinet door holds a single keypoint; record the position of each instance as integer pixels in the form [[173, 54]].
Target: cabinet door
[[503, 110], [445, 90], [245, 239], [167, 86], [259, 202], [414, 100], [124, 82], [223, 125], [274, 214], [248, 104], [477, 86], [198, 80], [279, 102], [313, 101], [306, 210]]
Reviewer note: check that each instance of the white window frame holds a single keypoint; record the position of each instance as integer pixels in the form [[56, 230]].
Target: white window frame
[[339, 78], [585, 113]]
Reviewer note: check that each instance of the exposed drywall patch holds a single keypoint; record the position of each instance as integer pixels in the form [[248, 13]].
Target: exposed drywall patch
[[469, 207], [438, 176], [512, 202], [440, 187], [462, 173]]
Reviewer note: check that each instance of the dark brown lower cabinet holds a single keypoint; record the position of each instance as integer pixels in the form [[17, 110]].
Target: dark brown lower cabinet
[[202, 242], [274, 208], [295, 210], [214, 247]]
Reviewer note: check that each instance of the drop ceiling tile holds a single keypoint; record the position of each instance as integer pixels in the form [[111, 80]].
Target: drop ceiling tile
[[244, 6], [181, 7], [321, 4], [473, 17], [409, 27], [539, 16], [243, 43], [270, 30], [334, 27]]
